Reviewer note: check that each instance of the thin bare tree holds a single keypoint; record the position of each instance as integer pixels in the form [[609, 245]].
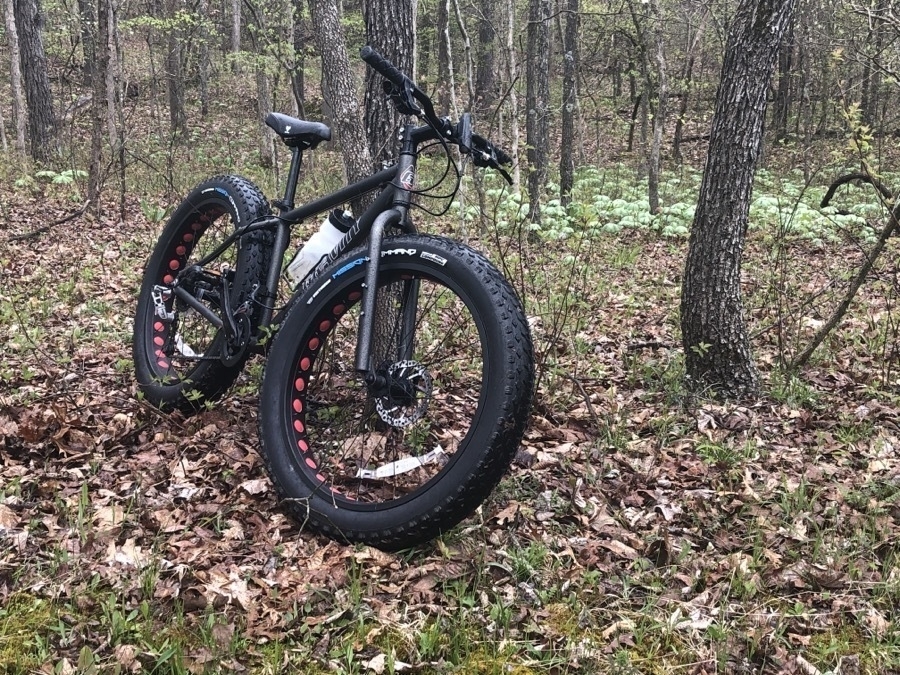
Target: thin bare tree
[[19, 118]]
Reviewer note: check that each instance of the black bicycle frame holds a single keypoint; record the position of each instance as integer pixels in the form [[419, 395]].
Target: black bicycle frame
[[390, 209]]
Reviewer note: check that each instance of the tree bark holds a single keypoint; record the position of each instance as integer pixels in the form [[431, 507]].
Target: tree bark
[[486, 77], [204, 65], [99, 112], [783, 101], [236, 35], [444, 66], [687, 84], [390, 28], [660, 110], [714, 332], [174, 74], [41, 117], [537, 121], [15, 71], [569, 103], [265, 137], [467, 48], [512, 74], [298, 77], [341, 90], [115, 99], [88, 41]]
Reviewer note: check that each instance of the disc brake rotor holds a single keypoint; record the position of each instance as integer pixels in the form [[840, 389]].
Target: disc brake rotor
[[416, 384]]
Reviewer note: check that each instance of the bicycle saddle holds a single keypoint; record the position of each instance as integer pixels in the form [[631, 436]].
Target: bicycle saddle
[[298, 133]]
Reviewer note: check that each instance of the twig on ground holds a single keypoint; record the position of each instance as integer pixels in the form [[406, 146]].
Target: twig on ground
[[48, 226]]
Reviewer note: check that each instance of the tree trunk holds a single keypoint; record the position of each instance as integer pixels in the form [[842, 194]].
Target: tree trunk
[[341, 90], [636, 98], [444, 77], [15, 71], [870, 112], [236, 35], [390, 29], [687, 86], [661, 100], [569, 102], [512, 74], [99, 113], [265, 137], [204, 65], [870, 74], [782, 109], [678, 134], [467, 47], [88, 40], [537, 119], [41, 118], [298, 81], [486, 78], [115, 97], [714, 332], [174, 74]]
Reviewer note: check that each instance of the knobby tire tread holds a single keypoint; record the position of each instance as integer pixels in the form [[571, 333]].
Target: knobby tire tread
[[421, 522], [210, 379]]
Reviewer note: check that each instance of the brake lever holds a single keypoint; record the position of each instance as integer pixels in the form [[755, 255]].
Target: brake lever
[[403, 98]]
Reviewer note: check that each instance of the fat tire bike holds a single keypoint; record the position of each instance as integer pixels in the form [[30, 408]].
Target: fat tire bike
[[399, 373]]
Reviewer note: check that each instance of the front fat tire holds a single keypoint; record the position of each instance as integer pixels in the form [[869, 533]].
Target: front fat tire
[[310, 390], [211, 211]]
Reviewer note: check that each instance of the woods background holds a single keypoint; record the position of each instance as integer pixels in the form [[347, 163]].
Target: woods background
[[597, 78], [646, 527]]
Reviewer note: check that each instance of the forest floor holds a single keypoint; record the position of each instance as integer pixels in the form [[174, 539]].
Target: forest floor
[[640, 530]]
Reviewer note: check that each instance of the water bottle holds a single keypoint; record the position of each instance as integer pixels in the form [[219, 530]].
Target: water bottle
[[323, 242]]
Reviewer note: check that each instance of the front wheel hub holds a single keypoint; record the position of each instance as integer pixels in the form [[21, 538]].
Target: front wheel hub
[[406, 393]]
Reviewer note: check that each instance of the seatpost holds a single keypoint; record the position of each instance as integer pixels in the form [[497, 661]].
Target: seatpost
[[290, 189]]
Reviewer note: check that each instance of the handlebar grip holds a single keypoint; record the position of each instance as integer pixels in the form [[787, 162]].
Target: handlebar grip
[[384, 67]]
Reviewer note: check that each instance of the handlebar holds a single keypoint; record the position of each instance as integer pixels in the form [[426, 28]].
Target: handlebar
[[411, 100], [385, 68]]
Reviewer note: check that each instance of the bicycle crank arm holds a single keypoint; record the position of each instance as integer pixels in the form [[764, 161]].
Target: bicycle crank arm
[[370, 292]]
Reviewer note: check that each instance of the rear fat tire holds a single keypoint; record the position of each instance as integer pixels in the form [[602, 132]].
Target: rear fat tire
[[212, 209], [301, 410]]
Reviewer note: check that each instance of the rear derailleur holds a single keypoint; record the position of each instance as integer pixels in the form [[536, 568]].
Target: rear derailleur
[[204, 292]]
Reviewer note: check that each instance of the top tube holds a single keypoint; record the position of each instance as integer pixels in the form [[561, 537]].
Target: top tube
[[341, 196]]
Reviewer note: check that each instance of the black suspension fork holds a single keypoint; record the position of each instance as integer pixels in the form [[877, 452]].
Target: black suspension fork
[[370, 291], [403, 184]]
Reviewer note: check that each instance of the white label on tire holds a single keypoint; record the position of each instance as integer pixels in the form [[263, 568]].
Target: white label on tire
[[433, 258], [318, 290]]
